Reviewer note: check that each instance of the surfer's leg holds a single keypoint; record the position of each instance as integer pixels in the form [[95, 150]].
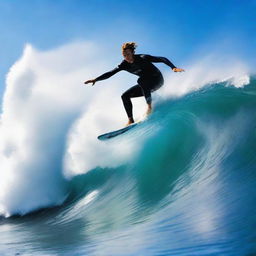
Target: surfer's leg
[[133, 92], [148, 86], [147, 94]]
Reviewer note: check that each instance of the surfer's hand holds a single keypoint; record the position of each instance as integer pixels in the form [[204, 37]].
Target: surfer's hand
[[178, 70], [93, 81]]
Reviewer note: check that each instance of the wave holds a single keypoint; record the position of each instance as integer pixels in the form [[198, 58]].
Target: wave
[[47, 148], [186, 174]]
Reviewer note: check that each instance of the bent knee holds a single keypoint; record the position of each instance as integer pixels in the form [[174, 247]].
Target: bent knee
[[124, 96]]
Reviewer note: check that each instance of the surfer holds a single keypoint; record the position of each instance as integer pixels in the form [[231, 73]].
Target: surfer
[[150, 77]]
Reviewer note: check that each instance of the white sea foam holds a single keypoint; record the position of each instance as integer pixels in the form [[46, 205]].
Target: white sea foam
[[208, 70], [44, 95]]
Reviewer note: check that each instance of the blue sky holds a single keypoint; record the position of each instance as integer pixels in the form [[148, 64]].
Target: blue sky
[[179, 29]]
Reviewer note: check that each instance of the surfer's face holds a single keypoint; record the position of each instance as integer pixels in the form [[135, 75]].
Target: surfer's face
[[128, 55]]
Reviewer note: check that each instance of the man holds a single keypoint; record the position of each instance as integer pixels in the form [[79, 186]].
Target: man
[[150, 77]]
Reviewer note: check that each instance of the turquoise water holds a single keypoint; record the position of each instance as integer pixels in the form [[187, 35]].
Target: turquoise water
[[189, 190]]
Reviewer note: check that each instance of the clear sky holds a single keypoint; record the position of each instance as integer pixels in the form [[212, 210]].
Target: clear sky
[[178, 29]]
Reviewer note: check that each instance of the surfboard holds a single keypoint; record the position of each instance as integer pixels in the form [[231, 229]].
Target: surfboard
[[113, 134]]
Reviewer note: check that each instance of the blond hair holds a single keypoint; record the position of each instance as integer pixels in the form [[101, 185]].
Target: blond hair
[[130, 45]]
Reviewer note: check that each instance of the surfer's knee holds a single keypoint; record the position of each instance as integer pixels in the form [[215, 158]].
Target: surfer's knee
[[124, 96]]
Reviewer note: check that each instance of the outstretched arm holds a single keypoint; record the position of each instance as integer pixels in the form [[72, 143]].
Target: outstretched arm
[[93, 81], [163, 60], [104, 76]]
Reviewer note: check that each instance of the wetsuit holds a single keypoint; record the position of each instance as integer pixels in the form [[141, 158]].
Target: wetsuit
[[150, 78]]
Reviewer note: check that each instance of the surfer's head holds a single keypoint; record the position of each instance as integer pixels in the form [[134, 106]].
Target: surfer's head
[[128, 50]]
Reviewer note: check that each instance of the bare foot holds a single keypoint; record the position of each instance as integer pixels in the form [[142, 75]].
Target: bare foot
[[130, 121], [149, 110]]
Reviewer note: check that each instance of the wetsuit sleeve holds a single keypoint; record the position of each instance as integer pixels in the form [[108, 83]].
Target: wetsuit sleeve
[[158, 59], [110, 73]]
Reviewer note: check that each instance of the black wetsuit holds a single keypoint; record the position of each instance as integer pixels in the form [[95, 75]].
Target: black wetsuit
[[150, 78]]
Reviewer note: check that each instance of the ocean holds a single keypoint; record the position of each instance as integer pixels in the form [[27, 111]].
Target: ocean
[[183, 183]]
